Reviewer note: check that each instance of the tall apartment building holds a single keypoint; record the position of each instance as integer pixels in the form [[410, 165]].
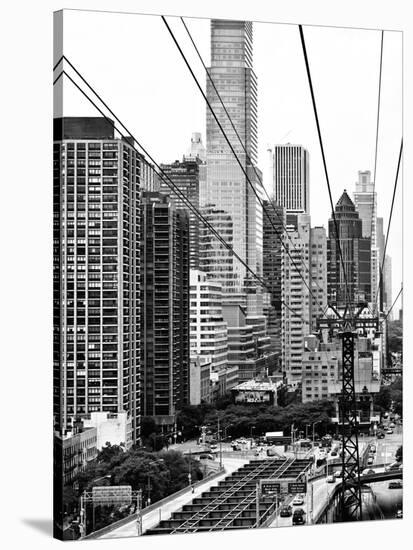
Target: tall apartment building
[[208, 330], [318, 271], [96, 270], [226, 187], [164, 307], [356, 252], [185, 175], [365, 201], [291, 178], [272, 268], [296, 309]]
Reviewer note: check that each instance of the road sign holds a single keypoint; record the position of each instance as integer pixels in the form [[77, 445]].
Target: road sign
[[270, 487], [108, 495], [297, 487]]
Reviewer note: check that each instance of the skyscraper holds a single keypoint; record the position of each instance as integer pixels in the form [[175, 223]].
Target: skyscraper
[[365, 201], [164, 307], [185, 176], [96, 275], [296, 310], [291, 178], [226, 187], [356, 254]]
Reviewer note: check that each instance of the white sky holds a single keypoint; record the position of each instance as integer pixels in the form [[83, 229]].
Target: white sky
[[133, 63]]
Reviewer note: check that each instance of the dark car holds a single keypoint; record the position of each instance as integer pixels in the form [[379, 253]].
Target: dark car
[[299, 517], [395, 485], [380, 435], [206, 457], [286, 511]]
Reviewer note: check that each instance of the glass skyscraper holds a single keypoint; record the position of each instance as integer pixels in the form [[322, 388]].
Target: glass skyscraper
[[226, 186]]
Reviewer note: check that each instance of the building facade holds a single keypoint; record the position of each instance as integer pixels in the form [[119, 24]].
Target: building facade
[[291, 178], [164, 307], [96, 263]]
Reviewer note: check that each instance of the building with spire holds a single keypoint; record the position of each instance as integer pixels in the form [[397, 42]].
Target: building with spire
[[353, 283]]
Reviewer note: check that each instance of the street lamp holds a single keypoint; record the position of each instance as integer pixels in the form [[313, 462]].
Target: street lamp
[[149, 486], [314, 425]]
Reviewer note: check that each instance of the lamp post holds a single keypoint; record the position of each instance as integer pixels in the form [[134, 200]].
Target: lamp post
[[190, 469], [220, 442], [314, 425], [149, 486]]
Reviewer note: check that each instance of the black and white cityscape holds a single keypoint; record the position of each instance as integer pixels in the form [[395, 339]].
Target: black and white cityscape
[[227, 329]]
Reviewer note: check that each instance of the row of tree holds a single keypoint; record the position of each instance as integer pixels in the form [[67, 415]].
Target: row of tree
[[246, 420], [390, 397], [157, 474]]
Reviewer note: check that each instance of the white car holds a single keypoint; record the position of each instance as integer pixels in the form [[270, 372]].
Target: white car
[[338, 474], [298, 501], [331, 479]]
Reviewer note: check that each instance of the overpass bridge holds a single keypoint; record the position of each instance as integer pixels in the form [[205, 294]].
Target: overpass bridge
[[233, 503], [326, 511]]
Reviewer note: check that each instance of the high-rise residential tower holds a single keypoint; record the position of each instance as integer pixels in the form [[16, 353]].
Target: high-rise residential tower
[[291, 178], [318, 270], [96, 274], [185, 176], [296, 308], [164, 307], [208, 330], [356, 255], [226, 187]]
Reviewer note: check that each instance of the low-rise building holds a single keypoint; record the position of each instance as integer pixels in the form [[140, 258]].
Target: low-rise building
[[113, 428], [73, 451], [254, 391]]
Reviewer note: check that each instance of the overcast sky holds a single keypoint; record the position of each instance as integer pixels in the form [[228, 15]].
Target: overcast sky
[[135, 66]]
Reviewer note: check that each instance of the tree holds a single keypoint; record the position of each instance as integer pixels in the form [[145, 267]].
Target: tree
[[395, 337], [108, 452], [382, 399]]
